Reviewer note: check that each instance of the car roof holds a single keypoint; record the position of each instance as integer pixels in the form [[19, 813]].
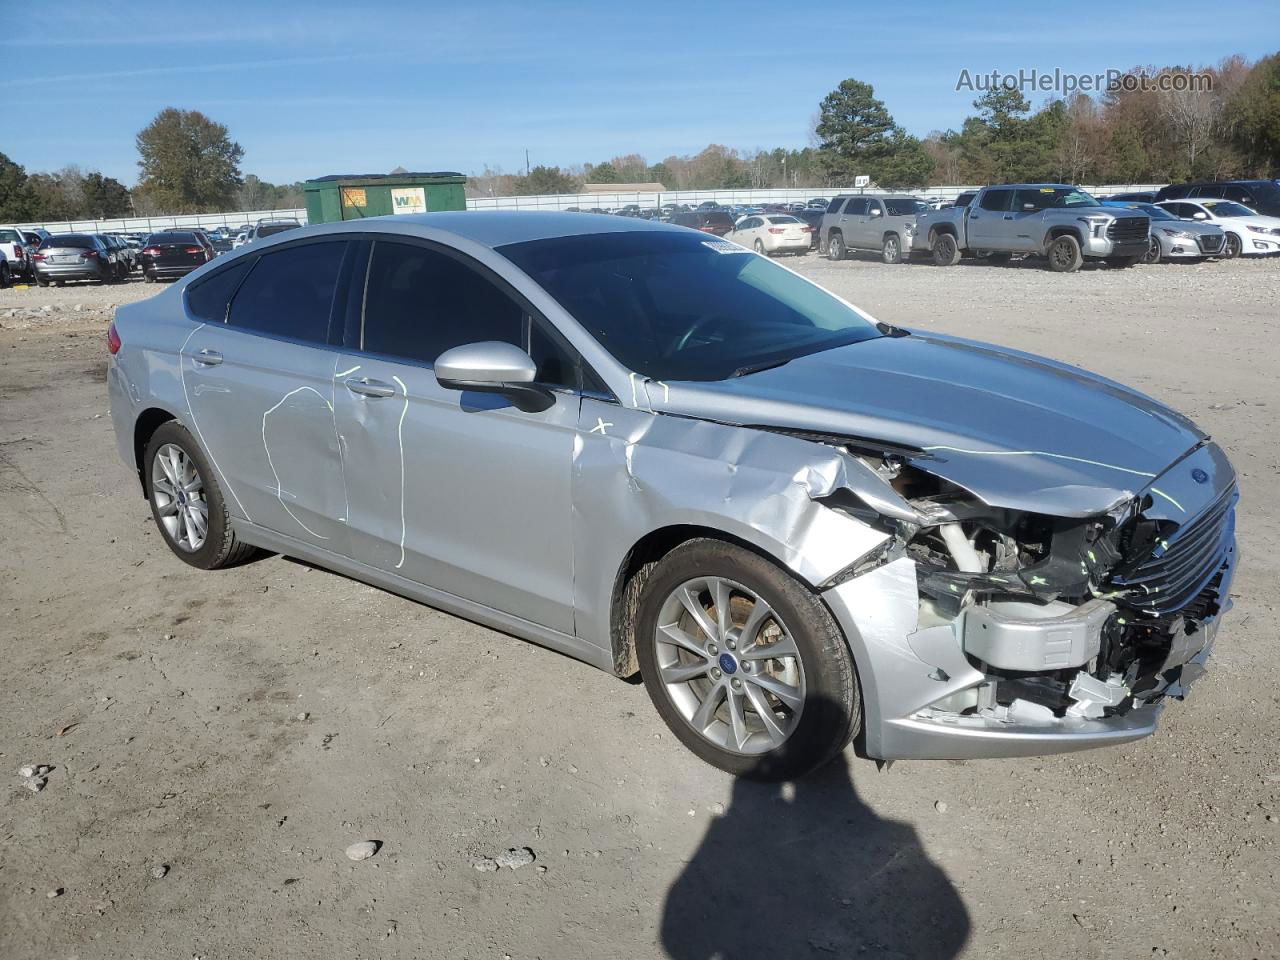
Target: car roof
[[496, 228]]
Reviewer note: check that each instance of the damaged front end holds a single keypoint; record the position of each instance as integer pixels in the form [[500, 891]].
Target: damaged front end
[[992, 631]]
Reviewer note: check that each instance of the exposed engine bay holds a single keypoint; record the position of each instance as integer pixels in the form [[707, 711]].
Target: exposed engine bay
[[1065, 617]]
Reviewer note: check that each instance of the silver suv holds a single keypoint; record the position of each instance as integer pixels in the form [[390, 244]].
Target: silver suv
[[884, 224], [657, 452]]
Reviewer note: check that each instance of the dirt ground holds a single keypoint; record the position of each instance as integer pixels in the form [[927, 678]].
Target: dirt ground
[[242, 728]]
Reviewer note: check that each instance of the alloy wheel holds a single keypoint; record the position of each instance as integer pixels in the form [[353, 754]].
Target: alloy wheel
[[178, 490], [729, 665]]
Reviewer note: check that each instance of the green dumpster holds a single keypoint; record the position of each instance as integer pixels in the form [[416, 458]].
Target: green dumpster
[[352, 197]]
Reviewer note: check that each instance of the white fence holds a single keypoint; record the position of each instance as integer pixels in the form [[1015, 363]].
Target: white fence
[[563, 201]]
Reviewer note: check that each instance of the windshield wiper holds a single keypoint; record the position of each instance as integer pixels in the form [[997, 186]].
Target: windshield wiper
[[757, 367]]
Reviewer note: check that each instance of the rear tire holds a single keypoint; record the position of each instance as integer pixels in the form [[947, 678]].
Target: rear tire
[[41, 281], [714, 692], [208, 546], [760, 248], [4, 275], [835, 247], [946, 253], [1064, 254]]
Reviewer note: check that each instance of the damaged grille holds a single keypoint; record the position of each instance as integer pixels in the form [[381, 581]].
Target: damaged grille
[[1128, 229], [1210, 243], [1173, 575]]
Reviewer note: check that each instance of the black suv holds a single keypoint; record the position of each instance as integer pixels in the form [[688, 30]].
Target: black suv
[[1262, 196]]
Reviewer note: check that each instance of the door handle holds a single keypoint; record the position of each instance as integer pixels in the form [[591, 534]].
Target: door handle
[[208, 358], [1009, 216], [369, 388]]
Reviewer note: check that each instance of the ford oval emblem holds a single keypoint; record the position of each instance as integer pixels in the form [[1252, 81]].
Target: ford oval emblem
[[1199, 476], [728, 663]]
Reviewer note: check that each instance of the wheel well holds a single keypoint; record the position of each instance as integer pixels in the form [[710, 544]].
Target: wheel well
[[940, 229], [634, 571], [1061, 231], [835, 232], [148, 422], [888, 234]]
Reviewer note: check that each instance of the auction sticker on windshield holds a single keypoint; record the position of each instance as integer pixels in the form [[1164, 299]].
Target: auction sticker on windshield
[[724, 246]]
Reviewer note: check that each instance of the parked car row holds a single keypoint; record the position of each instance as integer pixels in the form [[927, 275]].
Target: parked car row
[[1058, 222]]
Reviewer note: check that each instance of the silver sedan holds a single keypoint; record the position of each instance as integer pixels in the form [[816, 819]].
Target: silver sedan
[[661, 454]]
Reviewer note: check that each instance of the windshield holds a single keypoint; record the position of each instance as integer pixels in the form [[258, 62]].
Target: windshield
[[905, 208], [1055, 197], [1225, 208], [677, 307], [1150, 209]]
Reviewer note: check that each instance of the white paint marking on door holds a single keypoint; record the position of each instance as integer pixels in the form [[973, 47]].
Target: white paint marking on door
[[346, 373], [400, 439], [599, 428], [182, 375], [271, 463]]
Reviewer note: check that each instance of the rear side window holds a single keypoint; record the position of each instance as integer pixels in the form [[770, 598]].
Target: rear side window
[[963, 200], [1239, 195], [835, 205], [420, 302], [289, 293], [1210, 191], [208, 299], [856, 207], [995, 200]]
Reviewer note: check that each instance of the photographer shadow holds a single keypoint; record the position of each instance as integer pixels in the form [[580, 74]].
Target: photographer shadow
[[817, 873]]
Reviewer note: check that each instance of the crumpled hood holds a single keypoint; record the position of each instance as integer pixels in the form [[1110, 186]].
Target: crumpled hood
[[1018, 431]]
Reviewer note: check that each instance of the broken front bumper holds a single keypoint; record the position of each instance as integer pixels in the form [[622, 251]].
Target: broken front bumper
[[913, 676]]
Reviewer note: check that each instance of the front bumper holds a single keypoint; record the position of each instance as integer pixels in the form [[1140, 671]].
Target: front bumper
[[1258, 244], [906, 671], [1104, 247]]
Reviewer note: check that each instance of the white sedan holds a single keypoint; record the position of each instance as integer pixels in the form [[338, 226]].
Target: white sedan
[[771, 233], [1248, 232]]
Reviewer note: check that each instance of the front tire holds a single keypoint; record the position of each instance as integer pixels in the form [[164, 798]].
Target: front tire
[[744, 663], [760, 248], [1235, 247], [1064, 254], [1154, 252], [891, 249], [186, 501]]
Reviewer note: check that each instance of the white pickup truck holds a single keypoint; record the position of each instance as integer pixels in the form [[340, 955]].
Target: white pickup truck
[[1061, 223]]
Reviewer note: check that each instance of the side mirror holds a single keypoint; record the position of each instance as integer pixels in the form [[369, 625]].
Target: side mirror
[[1199, 215], [494, 367], [874, 211], [1029, 207]]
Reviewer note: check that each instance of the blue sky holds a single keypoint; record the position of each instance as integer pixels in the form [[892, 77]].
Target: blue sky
[[311, 88]]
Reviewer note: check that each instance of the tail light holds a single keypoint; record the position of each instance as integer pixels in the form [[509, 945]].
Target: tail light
[[808, 229], [707, 229], [19, 251], [89, 255], [37, 256], [151, 252], [777, 229], [113, 339], [194, 250]]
